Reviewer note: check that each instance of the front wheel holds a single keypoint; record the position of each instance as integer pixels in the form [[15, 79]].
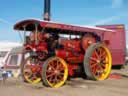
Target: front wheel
[[54, 72], [97, 62]]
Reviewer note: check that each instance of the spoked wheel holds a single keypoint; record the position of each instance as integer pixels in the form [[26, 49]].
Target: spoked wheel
[[31, 70], [54, 72], [97, 62]]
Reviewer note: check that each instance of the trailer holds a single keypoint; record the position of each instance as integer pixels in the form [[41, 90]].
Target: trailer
[[118, 43], [58, 51]]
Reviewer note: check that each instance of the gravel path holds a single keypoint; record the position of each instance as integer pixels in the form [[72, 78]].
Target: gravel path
[[74, 87]]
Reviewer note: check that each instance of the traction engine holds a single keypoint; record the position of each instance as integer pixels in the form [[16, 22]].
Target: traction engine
[[50, 57]]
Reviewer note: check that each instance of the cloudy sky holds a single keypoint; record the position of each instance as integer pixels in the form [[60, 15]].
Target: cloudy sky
[[80, 12]]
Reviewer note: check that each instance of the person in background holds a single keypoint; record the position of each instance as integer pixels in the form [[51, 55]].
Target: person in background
[[4, 75]]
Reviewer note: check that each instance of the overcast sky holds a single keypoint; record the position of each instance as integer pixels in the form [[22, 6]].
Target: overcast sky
[[80, 12]]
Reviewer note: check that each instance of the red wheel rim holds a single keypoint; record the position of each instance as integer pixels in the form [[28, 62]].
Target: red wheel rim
[[32, 72], [55, 71], [99, 62]]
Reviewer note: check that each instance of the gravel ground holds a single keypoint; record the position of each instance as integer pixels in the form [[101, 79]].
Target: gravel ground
[[74, 87]]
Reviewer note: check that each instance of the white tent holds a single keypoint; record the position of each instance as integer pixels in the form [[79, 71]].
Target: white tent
[[6, 46]]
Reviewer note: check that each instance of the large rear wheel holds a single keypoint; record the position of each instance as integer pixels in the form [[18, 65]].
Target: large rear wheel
[[54, 72], [97, 62]]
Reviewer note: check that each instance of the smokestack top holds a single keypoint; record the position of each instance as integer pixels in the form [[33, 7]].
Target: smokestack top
[[47, 5]]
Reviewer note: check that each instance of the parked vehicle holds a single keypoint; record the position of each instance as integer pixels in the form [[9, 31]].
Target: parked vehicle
[[58, 51], [12, 62], [5, 48]]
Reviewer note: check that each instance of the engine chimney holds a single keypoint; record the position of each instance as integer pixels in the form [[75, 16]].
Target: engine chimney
[[47, 10]]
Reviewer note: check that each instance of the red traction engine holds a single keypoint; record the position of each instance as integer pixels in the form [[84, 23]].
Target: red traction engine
[[54, 52]]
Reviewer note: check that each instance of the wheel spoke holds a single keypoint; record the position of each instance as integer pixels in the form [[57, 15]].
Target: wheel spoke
[[50, 75], [49, 71], [94, 59], [93, 65], [58, 62], [98, 74], [55, 63], [100, 68], [50, 79], [101, 50], [57, 79], [104, 63], [103, 55], [33, 77], [96, 53], [51, 65], [61, 69], [59, 66], [95, 70]]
